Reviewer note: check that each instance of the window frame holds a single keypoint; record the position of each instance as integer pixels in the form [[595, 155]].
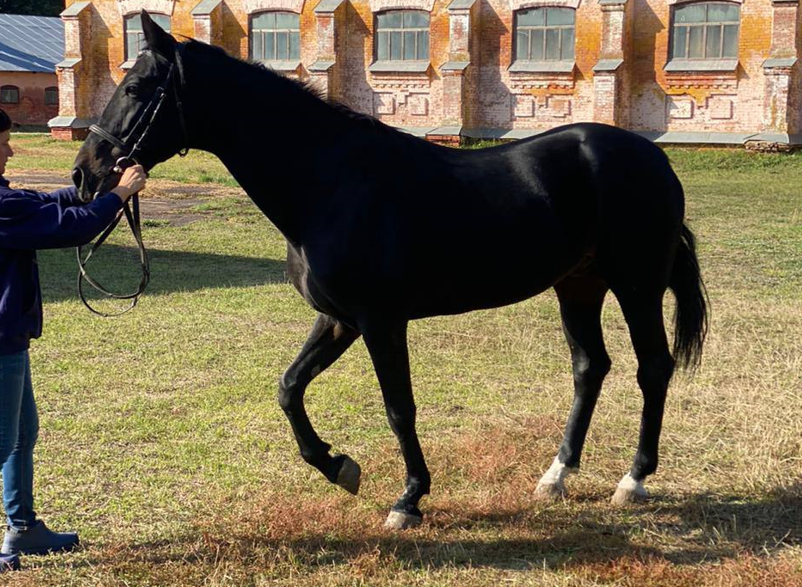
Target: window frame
[[49, 91], [7, 88], [139, 34], [403, 31], [529, 29], [291, 32], [705, 26]]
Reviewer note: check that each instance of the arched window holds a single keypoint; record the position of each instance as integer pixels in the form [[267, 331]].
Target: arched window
[[135, 38], [9, 95], [705, 30], [275, 36], [402, 35], [545, 34], [51, 96]]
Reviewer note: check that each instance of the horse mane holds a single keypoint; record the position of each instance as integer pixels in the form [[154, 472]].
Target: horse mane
[[259, 73]]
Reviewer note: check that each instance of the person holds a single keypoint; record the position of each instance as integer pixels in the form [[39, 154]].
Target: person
[[31, 220]]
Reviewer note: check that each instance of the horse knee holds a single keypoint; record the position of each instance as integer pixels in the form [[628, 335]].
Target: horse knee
[[289, 393], [655, 374], [591, 369], [402, 422]]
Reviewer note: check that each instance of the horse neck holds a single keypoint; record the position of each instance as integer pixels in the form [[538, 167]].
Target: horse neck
[[266, 134]]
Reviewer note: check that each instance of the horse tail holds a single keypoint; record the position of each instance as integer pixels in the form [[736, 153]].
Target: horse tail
[[691, 316]]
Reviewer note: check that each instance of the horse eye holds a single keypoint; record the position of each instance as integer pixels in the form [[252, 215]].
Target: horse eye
[[132, 90]]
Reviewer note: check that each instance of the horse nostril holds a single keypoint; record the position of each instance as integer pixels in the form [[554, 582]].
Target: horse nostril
[[77, 177]]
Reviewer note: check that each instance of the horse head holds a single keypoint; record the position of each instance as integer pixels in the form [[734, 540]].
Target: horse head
[[142, 123]]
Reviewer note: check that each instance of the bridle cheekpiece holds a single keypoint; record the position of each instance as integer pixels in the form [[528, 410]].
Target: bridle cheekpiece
[[131, 145]]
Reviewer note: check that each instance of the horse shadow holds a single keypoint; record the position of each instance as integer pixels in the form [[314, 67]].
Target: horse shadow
[[711, 528], [117, 268]]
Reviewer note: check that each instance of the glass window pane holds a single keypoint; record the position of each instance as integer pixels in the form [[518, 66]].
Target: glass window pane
[[713, 43], [552, 44], [383, 52], [270, 45], [532, 17], [416, 19], [258, 49], [393, 19], [131, 46], [162, 20], [557, 16], [423, 45], [409, 45], [722, 13], [537, 45], [730, 41], [522, 45], [395, 46], [695, 47], [285, 20], [282, 46], [133, 23], [690, 13], [295, 45], [680, 39], [567, 52], [262, 21]]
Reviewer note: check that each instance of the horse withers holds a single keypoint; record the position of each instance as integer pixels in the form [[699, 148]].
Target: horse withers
[[383, 228]]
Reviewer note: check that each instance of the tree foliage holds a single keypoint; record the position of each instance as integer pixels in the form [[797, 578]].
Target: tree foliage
[[35, 7]]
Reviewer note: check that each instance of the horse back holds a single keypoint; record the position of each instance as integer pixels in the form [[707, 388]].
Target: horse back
[[438, 230]]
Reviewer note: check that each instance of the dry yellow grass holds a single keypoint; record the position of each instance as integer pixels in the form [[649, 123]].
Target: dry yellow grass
[[163, 445]]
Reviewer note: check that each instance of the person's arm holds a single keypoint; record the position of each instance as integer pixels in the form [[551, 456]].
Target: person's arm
[[28, 221], [66, 196]]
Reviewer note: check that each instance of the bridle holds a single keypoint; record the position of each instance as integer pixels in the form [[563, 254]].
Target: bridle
[[131, 145]]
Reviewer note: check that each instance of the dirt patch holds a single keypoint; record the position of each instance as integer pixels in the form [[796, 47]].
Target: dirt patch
[[163, 200]]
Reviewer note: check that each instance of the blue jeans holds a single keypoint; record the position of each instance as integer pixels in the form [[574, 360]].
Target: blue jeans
[[19, 429]]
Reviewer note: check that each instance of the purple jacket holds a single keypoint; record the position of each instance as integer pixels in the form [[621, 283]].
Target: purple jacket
[[29, 221]]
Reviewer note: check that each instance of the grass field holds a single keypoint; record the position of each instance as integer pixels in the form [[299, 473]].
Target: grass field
[[163, 445]]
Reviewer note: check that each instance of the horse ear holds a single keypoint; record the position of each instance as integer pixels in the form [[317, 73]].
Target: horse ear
[[155, 37]]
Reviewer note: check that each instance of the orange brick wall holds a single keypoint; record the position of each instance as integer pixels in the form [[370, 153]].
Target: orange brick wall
[[640, 95], [31, 109]]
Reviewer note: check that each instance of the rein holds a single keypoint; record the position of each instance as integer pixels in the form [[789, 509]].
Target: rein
[[131, 207]]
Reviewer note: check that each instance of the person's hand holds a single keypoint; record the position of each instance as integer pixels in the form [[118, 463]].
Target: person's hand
[[132, 181]]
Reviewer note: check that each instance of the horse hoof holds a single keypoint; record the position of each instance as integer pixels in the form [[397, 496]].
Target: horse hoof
[[402, 521], [626, 497], [349, 476], [549, 491], [629, 491]]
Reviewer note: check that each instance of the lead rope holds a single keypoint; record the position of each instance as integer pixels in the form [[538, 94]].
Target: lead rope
[[132, 216]]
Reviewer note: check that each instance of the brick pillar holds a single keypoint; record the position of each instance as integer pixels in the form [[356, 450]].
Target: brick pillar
[[207, 18], [456, 106], [322, 71], [779, 68], [74, 120], [608, 72]]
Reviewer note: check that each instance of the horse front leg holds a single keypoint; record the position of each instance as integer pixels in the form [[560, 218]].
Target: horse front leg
[[387, 345], [327, 341]]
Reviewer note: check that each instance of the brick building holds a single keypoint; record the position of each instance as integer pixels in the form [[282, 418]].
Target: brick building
[[30, 47], [679, 71]]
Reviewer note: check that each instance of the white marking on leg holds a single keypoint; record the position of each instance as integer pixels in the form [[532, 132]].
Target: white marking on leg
[[553, 481], [629, 490], [629, 483]]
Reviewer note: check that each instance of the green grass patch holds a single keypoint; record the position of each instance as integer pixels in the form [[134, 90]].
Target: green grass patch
[[162, 442]]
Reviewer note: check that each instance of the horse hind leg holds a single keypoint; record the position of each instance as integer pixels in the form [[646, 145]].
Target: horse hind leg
[[581, 300], [327, 341], [644, 316]]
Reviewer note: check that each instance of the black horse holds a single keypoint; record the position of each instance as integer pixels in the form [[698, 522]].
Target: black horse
[[383, 228]]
